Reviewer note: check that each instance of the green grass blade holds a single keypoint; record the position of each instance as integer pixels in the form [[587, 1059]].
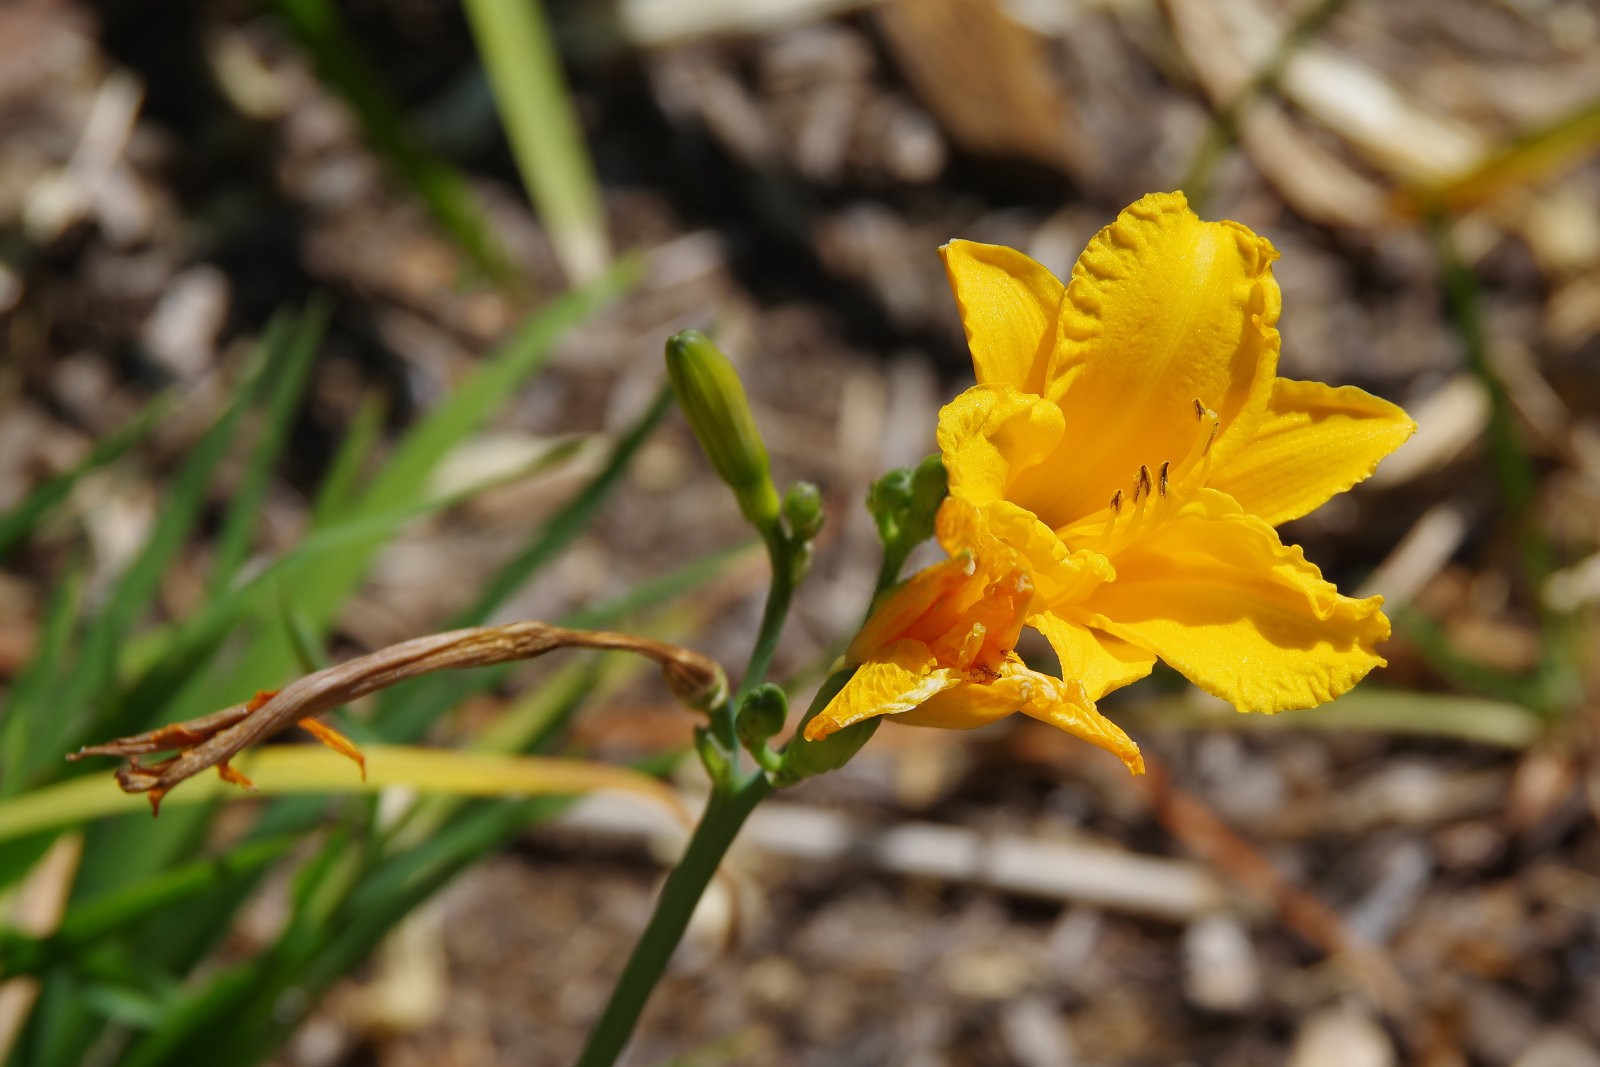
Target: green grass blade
[[321, 587], [241, 1021], [21, 520], [288, 353], [407, 710], [72, 712], [107, 914], [559, 531], [338, 487], [342, 63], [43, 671], [542, 126], [161, 660]]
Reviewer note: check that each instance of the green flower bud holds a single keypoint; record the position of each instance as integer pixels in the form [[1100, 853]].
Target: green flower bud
[[802, 510], [714, 401], [887, 500], [905, 501], [761, 714], [930, 484]]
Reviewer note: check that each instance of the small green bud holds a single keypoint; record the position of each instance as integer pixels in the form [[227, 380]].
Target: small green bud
[[930, 484], [802, 510], [887, 500], [905, 501], [761, 714], [714, 401]]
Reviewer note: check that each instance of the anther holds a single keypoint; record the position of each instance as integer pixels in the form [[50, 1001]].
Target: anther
[[1141, 484], [1199, 409], [1162, 482], [1116, 500]]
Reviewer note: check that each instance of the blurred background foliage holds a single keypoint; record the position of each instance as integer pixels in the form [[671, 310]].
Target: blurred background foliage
[[328, 324]]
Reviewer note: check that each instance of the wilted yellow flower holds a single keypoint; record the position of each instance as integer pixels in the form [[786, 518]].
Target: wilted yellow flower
[[1125, 454]]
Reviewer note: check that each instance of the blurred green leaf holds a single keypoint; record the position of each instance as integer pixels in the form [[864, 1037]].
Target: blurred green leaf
[[123, 849], [90, 920], [1368, 709], [321, 585], [289, 348], [283, 769], [21, 520], [542, 126], [74, 709], [342, 62], [338, 487]]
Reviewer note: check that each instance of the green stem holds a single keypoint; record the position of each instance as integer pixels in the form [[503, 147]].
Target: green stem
[[779, 595], [772, 616], [1557, 684], [724, 814]]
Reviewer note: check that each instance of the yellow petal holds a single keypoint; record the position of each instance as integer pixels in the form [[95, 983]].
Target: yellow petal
[[1162, 310], [899, 678], [991, 433], [907, 603], [1097, 661], [1314, 442], [1007, 535], [969, 705], [1065, 706], [1008, 307], [1214, 593]]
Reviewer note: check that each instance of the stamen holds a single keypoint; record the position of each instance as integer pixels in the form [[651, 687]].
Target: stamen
[[1199, 409], [1116, 501], [1162, 483], [1141, 484]]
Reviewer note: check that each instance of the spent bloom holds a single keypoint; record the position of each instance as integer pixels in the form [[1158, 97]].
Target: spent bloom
[[1116, 475]]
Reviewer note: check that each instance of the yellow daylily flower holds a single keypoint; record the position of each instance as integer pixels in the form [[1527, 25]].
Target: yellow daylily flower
[[939, 651], [1136, 413], [1126, 453]]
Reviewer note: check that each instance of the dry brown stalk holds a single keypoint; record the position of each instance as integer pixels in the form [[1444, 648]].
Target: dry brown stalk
[[212, 740]]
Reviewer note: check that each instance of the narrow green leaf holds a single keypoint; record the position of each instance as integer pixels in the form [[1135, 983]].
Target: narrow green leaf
[[341, 61], [288, 350], [542, 126], [20, 521], [104, 915], [287, 769], [43, 671], [73, 715], [242, 1021], [573, 518], [321, 587], [1367, 709], [405, 711], [338, 487]]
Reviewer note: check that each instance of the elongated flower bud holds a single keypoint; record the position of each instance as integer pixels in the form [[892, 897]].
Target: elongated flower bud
[[714, 401]]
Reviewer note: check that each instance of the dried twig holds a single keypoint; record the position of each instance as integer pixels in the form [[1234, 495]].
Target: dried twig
[[212, 740]]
